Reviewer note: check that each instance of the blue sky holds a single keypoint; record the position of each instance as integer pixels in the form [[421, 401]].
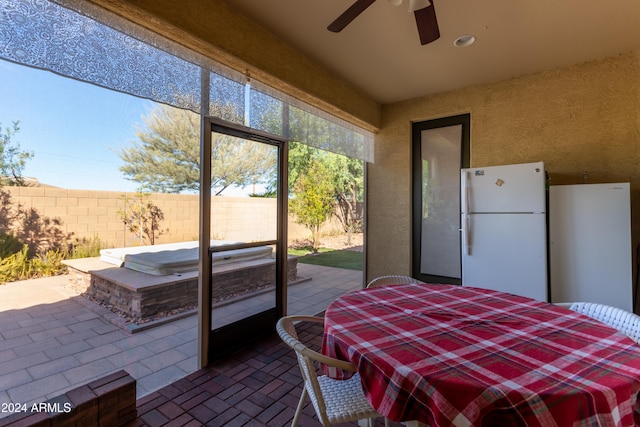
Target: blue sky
[[74, 129]]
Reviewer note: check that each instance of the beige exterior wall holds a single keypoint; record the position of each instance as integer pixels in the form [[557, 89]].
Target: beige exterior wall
[[95, 213], [580, 119], [88, 213]]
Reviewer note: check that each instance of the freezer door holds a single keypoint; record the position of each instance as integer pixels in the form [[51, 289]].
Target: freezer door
[[507, 253], [509, 188]]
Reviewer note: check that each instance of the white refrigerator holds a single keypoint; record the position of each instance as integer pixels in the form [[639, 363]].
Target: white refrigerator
[[504, 229], [590, 247]]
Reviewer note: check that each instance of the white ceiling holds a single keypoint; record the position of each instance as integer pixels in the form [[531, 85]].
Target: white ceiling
[[380, 53]]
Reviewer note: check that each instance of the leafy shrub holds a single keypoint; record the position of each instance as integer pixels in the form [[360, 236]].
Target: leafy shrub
[[16, 263], [9, 244], [85, 248], [19, 266], [49, 264], [15, 267]]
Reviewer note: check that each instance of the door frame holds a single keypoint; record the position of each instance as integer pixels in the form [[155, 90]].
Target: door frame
[[416, 190], [217, 343]]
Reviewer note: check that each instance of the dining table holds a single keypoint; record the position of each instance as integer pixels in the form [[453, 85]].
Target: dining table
[[451, 355]]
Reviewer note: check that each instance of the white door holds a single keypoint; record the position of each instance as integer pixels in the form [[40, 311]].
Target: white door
[[507, 252]]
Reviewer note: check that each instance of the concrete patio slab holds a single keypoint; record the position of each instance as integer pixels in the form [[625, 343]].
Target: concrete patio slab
[[51, 340]]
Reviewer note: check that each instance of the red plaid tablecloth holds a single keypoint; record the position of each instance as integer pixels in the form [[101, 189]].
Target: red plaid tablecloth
[[455, 355]]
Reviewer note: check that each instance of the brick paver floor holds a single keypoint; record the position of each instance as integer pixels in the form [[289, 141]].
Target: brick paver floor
[[258, 386]]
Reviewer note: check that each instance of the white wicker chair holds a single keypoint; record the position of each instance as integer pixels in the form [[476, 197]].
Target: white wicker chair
[[392, 280], [335, 401], [622, 320]]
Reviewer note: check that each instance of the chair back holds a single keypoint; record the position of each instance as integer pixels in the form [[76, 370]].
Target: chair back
[[306, 357], [622, 320], [392, 280]]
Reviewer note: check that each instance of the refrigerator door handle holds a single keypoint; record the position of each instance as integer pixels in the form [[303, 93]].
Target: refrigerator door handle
[[466, 222], [464, 182], [466, 240]]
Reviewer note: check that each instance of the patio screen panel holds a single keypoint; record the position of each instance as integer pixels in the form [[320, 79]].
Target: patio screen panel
[[80, 40]]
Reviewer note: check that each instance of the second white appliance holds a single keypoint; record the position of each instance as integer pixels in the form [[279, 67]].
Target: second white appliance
[[504, 229], [590, 246]]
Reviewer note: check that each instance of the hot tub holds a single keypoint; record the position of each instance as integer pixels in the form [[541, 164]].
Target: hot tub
[[177, 258]]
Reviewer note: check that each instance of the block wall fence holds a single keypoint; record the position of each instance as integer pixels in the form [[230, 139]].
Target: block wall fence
[[88, 213]]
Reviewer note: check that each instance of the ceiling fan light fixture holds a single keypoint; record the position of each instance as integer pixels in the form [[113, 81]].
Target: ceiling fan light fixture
[[464, 41], [418, 4]]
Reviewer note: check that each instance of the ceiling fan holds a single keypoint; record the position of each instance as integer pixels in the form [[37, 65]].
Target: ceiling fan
[[423, 10]]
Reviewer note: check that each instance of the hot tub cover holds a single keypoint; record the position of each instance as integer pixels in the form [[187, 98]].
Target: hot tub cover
[[116, 256], [174, 258], [183, 260]]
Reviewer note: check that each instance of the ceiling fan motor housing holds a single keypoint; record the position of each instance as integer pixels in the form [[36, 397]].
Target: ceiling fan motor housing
[[424, 11]]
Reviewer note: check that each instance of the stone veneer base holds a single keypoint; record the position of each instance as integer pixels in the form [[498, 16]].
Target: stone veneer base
[[143, 296]]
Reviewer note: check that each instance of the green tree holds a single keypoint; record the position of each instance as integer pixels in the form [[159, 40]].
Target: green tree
[[348, 180], [346, 175], [166, 157], [300, 158], [312, 203], [12, 159]]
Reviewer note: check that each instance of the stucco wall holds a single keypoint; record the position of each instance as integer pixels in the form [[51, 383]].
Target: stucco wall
[[580, 119]]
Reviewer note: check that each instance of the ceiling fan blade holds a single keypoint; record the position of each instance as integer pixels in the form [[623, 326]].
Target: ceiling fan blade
[[349, 15], [427, 24]]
